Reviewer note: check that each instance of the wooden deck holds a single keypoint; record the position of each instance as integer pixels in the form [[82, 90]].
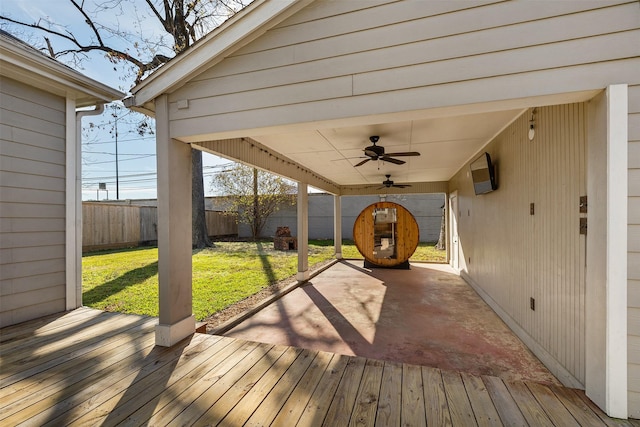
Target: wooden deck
[[87, 367]]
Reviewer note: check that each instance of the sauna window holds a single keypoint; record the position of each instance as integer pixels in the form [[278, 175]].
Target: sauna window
[[384, 233]]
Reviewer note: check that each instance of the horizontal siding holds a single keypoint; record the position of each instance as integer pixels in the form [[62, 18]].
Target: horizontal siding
[[409, 45], [633, 248], [556, 55], [32, 203], [547, 82], [44, 266], [31, 225], [487, 45], [34, 167], [412, 21], [389, 69], [28, 137], [32, 253], [46, 101], [514, 256], [24, 121], [31, 210], [25, 240], [32, 311], [32, 152], [36, 182], [29, 195], [32, 283]]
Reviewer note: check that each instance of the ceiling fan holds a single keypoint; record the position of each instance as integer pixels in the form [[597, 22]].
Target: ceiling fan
[[376, 152], [388, 183]]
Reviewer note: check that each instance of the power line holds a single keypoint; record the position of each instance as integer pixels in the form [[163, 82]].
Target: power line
[[124, 178], [119, 140], [120, 154], [123, 160]]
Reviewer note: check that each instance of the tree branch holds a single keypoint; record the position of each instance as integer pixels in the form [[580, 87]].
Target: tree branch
[[88, 21]]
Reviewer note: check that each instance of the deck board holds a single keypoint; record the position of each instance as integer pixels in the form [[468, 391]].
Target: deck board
[[91, 368], [435, 399], [297, 401], [224, 379], [272, 404], [483, 408], [215, 369], [390, 402], [553, 407], [531, 409], [412, 410], [366, 405], [459, 404], [318, 405], [343, 401]]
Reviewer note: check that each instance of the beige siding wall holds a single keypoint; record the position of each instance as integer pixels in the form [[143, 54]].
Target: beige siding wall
[[32, 203], [446, 53], [514, 256], [633, 293]]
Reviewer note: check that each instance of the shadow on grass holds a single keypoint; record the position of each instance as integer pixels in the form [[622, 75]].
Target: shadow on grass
[[130, 278], [266, 265], [116, 251]]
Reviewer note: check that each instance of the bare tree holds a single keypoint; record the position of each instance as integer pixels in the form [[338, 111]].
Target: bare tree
[[255, 195], [181, 24], [442, 237]]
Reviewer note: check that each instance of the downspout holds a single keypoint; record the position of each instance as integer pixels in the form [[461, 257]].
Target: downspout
[[74, 202]]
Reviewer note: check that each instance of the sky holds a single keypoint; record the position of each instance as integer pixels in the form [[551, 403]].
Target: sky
[[136, 165]]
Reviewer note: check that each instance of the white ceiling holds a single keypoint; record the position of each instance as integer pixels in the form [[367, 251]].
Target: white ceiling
[[445, 145]]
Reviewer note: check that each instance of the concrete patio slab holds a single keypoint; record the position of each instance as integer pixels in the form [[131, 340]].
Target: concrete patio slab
[[427, 315]]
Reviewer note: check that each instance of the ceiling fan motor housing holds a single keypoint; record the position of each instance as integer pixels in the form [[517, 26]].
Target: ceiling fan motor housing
[[374, 151]]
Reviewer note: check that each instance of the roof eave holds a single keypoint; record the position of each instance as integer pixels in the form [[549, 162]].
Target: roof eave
[[38, 70], [244, 27]]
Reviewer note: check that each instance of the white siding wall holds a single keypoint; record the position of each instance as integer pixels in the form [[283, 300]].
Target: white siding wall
[[32, 203], [513, 255], [633, 295]]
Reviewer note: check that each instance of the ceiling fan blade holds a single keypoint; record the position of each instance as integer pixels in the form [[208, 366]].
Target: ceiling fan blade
[[392, 160], [404, 154], [401, 185], [362, 162]]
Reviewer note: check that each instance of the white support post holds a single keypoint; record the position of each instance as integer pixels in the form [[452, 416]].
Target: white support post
[[606, 278], [174, 233], [337, 226], [303, 232]]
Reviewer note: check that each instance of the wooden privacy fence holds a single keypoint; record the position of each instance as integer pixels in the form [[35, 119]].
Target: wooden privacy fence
[[111, 226]]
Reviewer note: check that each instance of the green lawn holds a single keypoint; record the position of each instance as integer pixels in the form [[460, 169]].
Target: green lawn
[[127, 280]]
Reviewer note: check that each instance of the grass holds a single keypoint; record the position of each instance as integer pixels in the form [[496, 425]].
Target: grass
[[127, 280]]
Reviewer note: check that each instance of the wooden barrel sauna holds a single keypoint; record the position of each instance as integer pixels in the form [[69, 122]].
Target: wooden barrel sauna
[[386, 234]]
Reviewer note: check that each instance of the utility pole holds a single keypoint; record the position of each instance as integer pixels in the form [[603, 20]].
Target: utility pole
[[117, 176], [115, 112]]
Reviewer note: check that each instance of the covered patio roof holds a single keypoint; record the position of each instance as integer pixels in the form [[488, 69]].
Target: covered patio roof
[[321, 142]]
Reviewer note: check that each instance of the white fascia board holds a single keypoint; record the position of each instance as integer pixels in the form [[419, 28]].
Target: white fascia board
[[246, 26], [32, 67]]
